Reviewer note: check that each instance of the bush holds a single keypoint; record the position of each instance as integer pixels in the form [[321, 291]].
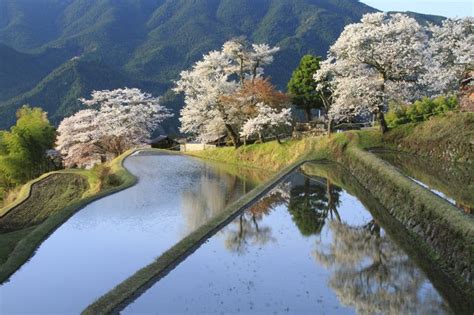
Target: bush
[[421, 110], [105, 177]]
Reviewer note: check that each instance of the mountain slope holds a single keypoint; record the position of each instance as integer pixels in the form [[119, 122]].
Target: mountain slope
[[20, 72], [58, 93], [151, 41]]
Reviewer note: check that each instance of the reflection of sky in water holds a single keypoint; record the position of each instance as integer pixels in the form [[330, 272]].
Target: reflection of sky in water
[[261, 263], [437, 192], [112, 238]]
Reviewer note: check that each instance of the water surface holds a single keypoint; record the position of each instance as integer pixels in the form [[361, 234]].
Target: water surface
[[110, 239], [307, 247]]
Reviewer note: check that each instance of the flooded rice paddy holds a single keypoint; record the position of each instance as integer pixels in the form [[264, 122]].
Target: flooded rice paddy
[[307, 247], [108, 240], [315, 244]]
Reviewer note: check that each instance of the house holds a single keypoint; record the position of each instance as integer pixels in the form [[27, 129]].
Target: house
[[201, 146], [163, 142], [189, 147]]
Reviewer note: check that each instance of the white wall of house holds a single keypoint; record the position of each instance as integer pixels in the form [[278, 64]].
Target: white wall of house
[[189, 147]]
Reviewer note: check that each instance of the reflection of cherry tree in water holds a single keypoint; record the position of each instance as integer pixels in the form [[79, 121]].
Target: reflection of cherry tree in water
[[370, 273], [209, 197], [248, 232], [312, 202]]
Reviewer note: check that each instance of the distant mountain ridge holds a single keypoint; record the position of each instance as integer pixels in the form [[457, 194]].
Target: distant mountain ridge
[[146, 43]]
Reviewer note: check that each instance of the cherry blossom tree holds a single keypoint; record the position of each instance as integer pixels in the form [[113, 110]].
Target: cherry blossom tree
[[76, 135], [383, 56], [450, 46], [124, 118], [268, 122], [205, 115], [247, 60]]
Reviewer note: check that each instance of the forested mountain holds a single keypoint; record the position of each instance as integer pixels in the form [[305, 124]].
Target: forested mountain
[[54, 51]]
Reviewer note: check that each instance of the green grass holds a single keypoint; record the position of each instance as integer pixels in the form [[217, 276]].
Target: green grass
[[273, 156], [448, 138], [46, 198], [8, 242]]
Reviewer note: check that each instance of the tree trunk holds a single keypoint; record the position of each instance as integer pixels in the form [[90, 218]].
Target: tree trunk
[[254, 219], [235, 138], [383, 123], [278, 139], [308, 114], [332, 208], [330, 126], [380, 115]]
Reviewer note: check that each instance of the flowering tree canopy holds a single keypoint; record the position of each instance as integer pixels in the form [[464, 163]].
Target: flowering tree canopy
[[268, 122], [385, 53], [204, 115], [390, 57], [450, 47], [124, 118]]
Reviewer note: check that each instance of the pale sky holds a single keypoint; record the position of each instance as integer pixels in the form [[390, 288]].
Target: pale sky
[[448, 8]]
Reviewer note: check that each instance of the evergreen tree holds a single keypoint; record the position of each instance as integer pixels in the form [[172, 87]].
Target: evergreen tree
[[302, 86]]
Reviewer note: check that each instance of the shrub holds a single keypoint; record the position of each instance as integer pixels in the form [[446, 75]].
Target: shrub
[[421, 110], [105, 177]]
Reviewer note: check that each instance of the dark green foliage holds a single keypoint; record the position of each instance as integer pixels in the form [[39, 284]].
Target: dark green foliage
[[20, 72], [23, 149], [311, 203], [150, 41], [420, 110], [58, 93], [302, 86]]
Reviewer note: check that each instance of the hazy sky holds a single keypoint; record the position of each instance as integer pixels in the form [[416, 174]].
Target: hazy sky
[[449, 8]]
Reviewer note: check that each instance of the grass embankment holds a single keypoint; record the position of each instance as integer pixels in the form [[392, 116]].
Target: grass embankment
[[46, 198], [449, 137], [48, 202], [274, 156]]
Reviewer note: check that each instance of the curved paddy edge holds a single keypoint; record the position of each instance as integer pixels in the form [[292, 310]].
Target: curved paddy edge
[[26, 248]]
